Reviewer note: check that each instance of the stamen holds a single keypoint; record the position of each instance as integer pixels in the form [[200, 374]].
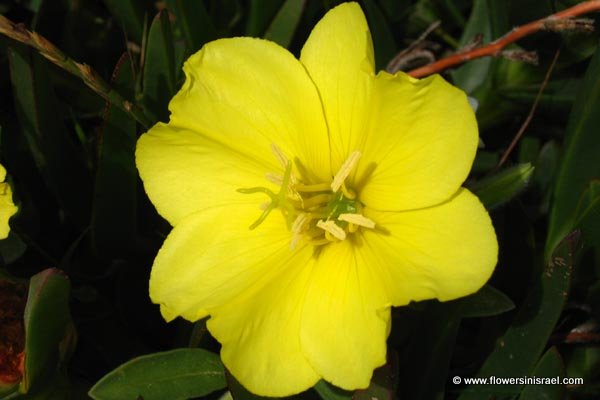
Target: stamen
[[299, 222], [279, 155], [345, 170], [295, 239], [357, 219], [315, 213], [332, 228], [317, 200], [349, 194], [330, 237], [319, 187], [274, 178], [318, 242]]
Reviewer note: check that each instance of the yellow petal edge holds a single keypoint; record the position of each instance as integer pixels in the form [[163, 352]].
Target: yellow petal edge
[[7, 207]]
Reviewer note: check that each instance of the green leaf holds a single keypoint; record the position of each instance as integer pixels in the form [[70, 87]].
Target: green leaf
[[529, 149], [130, 14], [113, 225], [484, 161], [546, 168], [587, 216], [485, 303], [383, 383], [176, 374], [383, 38], [517, 352], [282, 28], [558, 96], [158, 83], [550, 366], [503, 186], [580, 160], [55, 154], [471, 75], [588, 203], [423, 376], [8, 391], [194, 21], [593, 299], [584, 362], [329, 392], [11, 248], [260, 13], [46, 317], [56, 387]]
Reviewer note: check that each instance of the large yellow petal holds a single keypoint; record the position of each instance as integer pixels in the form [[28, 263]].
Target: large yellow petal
[[339, 57], [212, 256], [184, 172], [260, 330], [420, 145], [346, 319], [249, 94], [442, 252]]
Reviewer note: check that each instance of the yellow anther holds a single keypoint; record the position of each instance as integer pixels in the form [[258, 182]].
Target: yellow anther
[[316, 213], [345, 170], [332, 228], [357, 219]]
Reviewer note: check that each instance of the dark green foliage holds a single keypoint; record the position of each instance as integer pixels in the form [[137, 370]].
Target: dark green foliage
[[177, 374]]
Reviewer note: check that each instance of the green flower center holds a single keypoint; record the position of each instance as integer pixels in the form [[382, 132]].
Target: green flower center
[[319, 213]]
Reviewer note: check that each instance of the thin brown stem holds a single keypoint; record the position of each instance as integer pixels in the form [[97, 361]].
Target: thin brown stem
[[560, 21], [527, 121], [83, 71]]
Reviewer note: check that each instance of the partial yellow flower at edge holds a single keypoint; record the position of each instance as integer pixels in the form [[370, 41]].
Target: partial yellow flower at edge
[[7, 207], [350, 183]]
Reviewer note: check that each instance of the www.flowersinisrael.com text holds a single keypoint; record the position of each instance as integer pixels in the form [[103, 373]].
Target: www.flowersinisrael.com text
[[522, 380]]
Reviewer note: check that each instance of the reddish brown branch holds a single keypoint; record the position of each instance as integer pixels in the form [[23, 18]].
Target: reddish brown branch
[[576, 337], [560, 21]]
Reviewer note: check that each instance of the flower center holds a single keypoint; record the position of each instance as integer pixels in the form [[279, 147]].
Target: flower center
[[318, 213]]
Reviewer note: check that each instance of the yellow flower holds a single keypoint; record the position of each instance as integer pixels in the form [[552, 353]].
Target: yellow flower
[[7, 207], [307, 198]]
